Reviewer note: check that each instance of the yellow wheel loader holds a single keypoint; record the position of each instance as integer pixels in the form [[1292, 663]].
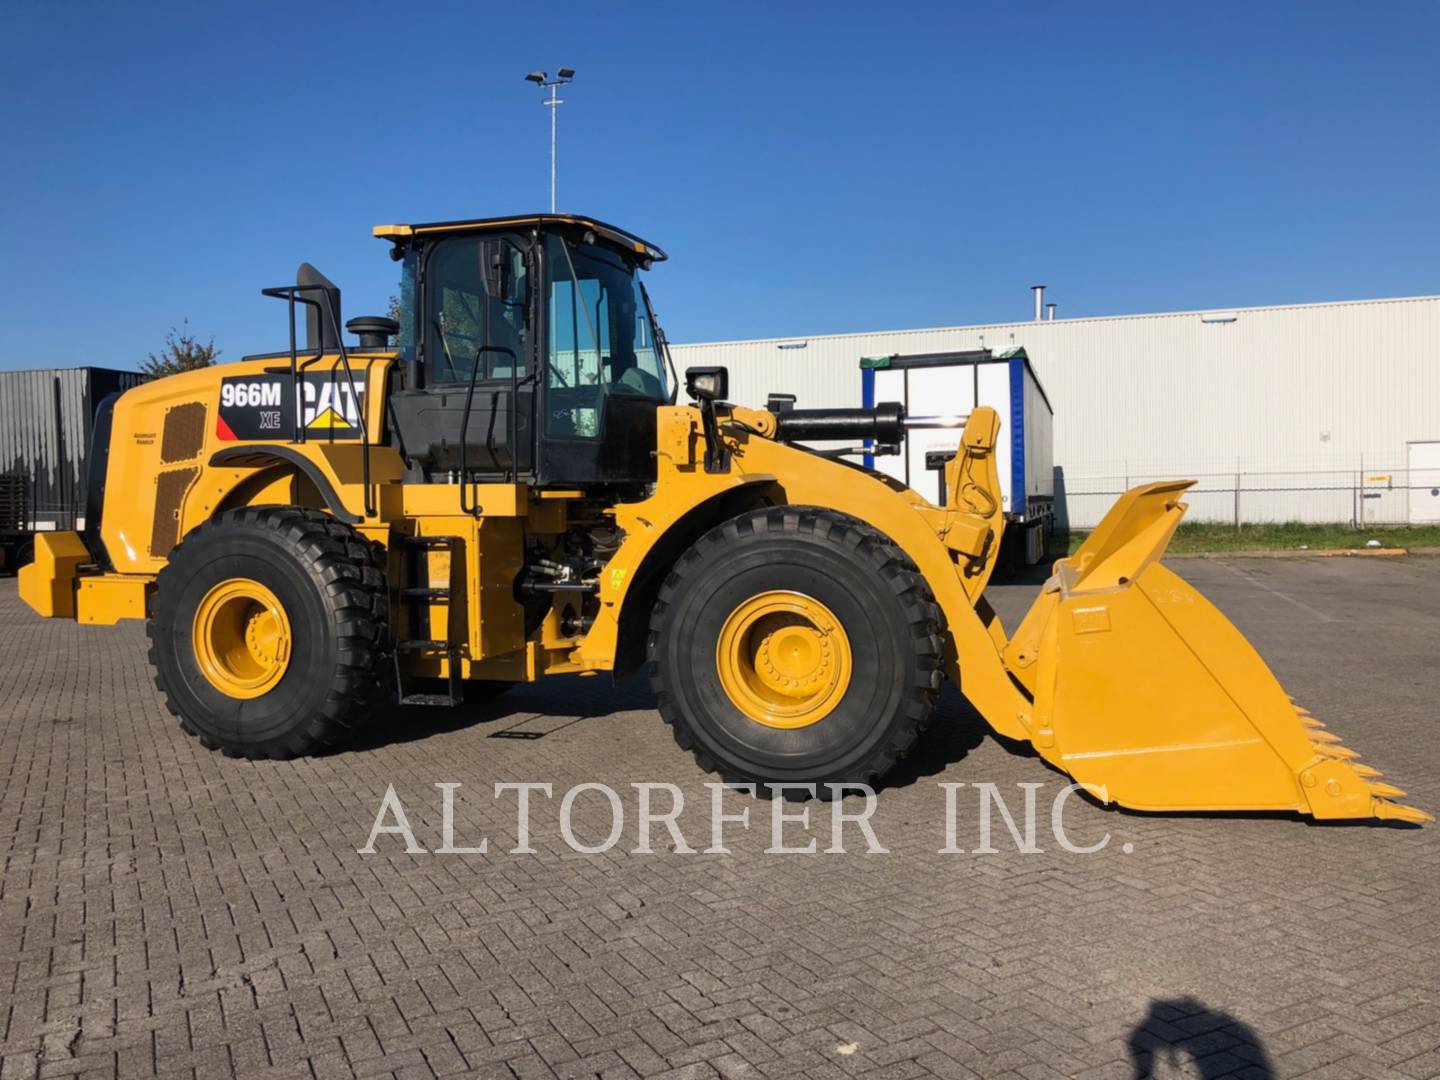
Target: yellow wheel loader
[[500, 486]]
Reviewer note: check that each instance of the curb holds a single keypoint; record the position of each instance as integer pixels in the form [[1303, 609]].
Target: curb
[[1315, 553]]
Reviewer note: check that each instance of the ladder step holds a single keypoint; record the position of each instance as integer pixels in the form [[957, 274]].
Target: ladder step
[[420, 592], [430, 699], [423, 645], [451, 649], [428, 541]]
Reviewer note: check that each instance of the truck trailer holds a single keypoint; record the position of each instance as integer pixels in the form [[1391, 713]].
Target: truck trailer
[[958, 383]]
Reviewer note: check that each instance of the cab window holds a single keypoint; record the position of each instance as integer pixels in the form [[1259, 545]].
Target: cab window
[[477, 310], [601, 337]]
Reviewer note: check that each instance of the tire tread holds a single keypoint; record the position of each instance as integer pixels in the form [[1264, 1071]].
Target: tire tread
[[352, 570], [869, 547]]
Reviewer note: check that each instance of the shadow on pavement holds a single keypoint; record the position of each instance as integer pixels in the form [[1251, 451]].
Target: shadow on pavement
[[1228, 815], [561, 700], [1184, 1034], [955, 730]]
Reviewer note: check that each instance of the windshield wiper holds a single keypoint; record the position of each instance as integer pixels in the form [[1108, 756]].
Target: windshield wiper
[[444, 345]]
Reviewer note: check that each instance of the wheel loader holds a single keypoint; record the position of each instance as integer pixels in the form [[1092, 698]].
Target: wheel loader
[[500, 486]]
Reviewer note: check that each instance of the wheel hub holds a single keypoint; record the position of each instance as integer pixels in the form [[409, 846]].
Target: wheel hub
[[783, 659], [241, 638]]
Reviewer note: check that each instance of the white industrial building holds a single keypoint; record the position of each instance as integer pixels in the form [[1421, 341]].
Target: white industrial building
[[1310, 412]]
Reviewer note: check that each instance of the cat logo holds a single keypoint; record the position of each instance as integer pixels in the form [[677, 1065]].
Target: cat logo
[[331, 407], [263, 407], [329, 420]]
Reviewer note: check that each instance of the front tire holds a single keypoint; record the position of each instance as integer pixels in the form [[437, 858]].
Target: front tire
[[269, 632], [795, 645]]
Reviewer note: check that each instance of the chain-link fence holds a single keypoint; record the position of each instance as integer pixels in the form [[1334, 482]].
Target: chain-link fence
[[1366, 495]]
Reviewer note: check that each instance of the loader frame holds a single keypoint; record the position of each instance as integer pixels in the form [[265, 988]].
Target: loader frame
[[1122, 675]]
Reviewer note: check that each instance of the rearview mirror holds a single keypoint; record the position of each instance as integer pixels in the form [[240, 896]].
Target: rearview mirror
[[497, 276]]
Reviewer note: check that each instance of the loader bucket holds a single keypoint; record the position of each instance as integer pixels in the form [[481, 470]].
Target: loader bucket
[[1143, 688]]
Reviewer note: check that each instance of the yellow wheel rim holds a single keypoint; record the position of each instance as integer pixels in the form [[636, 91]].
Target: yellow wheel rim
[[783, 659], [241, 638]]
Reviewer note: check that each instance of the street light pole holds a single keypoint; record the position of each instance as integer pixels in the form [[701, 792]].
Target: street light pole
[[554, 104], [554, 101]]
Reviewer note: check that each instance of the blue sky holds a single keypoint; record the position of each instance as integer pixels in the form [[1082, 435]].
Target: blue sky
[[812, 168]]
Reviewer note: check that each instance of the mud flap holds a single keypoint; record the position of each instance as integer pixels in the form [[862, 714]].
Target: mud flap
[[1143, 688]]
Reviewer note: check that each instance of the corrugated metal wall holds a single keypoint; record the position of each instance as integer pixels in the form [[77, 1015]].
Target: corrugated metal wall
[[1306, 411], [45, 423]]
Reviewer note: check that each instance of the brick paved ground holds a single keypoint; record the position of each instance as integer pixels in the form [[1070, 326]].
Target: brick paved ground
[[165, 910]]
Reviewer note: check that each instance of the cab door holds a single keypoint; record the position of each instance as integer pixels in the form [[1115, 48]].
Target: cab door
[[603, 370], [472, 408]]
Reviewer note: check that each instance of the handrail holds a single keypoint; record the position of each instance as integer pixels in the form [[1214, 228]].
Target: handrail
[[474, 507], [289, 293]]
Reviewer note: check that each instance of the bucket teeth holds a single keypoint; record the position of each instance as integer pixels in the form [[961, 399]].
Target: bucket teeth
[[1396, 812], [1387, 791], [1328, 746]]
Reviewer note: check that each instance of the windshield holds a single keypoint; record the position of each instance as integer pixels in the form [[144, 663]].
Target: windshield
[[601, 333]]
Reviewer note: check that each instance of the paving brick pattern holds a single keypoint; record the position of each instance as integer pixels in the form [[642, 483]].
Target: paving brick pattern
[[167, 911]]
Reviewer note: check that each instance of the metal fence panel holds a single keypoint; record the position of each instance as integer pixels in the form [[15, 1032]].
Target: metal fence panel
[[1373, 494]]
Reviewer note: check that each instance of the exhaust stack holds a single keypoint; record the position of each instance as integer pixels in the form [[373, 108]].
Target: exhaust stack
[[322, 312], [1039, 291]]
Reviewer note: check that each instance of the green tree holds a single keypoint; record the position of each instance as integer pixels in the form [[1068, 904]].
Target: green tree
[[182, 352]]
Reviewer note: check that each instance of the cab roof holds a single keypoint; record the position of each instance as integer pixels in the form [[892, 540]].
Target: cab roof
[[613, 233]]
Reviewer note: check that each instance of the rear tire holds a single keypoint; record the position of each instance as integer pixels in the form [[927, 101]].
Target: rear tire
[[864, 607], [303, 578]]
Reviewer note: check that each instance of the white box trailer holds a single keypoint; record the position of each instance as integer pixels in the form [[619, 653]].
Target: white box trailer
[[933, 384]]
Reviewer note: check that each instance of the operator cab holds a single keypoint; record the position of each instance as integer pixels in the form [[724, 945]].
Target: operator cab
[[528, 351]]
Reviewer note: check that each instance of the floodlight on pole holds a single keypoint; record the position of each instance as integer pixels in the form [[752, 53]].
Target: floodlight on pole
[[554, 101]]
